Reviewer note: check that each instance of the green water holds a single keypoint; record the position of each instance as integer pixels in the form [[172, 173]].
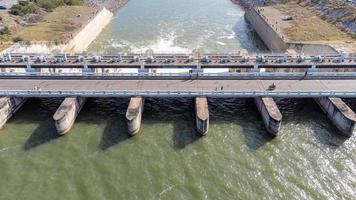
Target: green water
[[167, 159], [178, 26]]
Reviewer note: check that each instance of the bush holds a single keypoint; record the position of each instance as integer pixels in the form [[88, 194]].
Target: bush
[[32, 6], [5, 30], [17, 39], [52, 4], [23, 8], [74, 2], [49, 4]]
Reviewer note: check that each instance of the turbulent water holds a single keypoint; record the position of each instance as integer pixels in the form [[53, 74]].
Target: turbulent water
[[178, 26], [168, 159]]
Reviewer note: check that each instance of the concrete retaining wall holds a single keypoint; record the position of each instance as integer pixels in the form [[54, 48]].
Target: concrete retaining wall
[[134, 115], [339, 113], [88, 34], [273, 41], [8, 106], [270, 113], [67, 113]]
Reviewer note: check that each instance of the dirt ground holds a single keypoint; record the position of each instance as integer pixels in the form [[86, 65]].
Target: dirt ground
[[60, 25], [305, 25]]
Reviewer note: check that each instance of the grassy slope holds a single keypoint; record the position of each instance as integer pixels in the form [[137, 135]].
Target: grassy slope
[[309, 27], [59, 25]]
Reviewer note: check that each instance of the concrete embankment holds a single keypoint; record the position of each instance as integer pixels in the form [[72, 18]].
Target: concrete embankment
[[202, 115], [134, 115], [8, 106], [87, 35], [339, 113], [67, 113], [269, 36], [270, 113], [79, 42], [284, 27]]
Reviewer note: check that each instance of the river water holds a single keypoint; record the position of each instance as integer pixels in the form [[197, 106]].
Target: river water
[[168, 159], [180, 26]]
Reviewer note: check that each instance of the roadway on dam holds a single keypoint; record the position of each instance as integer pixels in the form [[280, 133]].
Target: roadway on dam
[[177, 85]]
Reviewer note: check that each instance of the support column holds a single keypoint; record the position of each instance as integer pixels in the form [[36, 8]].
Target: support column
[[8, 106], [67, 113], [339, 113], [202, 115], [271, 115], [134, 115]]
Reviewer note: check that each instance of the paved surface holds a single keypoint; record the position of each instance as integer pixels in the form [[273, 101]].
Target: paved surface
[[178, 85]]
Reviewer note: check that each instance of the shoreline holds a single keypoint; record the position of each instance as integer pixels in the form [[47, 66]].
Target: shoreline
[[74, 38], [281, 36]]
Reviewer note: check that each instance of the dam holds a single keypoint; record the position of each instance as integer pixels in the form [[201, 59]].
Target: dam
[[168, 158], [82, 79]]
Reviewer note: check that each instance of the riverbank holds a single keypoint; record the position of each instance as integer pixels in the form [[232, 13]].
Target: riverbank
[[65, 29], [337, 12], [292, 26], [60, 25]]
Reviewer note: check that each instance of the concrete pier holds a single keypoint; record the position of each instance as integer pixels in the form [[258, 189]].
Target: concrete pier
[[8, 106], [271, 115], [202, 115], [339, 113], [134, 115], [67, 113]]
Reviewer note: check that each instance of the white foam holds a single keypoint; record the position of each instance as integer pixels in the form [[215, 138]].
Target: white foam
[[220, 43], [164, 43]]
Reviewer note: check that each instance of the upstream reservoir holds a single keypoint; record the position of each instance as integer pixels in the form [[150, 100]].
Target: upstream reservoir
[[168, 159]]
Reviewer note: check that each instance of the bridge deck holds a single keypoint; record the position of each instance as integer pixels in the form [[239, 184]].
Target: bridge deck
[[238, 88]]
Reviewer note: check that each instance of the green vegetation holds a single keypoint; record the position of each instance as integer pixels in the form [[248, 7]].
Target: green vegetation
[[17, 39], [52, 4], [32, 6], [23, 8], [5, 31]]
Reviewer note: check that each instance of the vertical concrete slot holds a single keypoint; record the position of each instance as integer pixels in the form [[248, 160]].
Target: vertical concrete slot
[[202, 115], [67, 113], [8, 106], [134, 115], [271, 115], [339, 113]]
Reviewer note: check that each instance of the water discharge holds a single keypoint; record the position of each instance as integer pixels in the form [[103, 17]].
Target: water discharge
[[168, 159], [178, 26]]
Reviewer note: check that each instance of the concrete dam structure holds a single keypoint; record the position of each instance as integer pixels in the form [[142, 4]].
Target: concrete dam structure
[[270, 113], [339, 113], [327, 79], [202, 115], [134, 115], [8, 106], [67, 113]]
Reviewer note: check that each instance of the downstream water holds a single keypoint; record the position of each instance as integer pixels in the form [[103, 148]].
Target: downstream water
[[168, 160], [178, 26]]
